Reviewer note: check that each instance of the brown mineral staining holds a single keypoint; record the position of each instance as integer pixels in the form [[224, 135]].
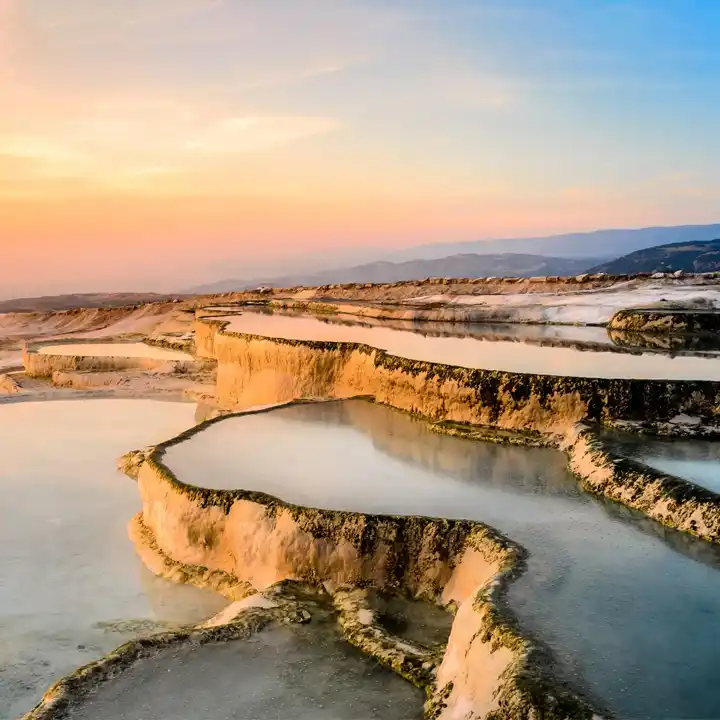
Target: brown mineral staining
[[532, 409], [254, 370], [239, 542], [669, 500]]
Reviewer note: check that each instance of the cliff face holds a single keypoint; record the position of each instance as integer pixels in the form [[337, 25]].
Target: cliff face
[[260, 371], [256, 371], [37, 365], [205, 332], [238, 541], [668, 500], [41, 365], [263, 541]]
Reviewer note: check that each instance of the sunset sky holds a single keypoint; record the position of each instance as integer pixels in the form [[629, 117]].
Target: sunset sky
[[156, 144]]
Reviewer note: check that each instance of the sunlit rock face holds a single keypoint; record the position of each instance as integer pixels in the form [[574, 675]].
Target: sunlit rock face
[[45, 360], [591, 565], [259, 371], [261, 540]]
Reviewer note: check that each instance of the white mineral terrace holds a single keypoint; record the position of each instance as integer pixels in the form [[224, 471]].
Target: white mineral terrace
[[626, 605], [124, 350], [587, 307], [482, 354]]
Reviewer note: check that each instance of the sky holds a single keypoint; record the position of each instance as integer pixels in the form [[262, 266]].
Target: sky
[[156, 144]]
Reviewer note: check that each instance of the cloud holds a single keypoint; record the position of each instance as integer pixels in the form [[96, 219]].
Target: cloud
[[142, 145], [252, 134], [41, 158]]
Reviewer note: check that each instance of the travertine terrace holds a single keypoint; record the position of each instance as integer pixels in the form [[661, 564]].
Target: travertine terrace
[[258, 541], [243, 543], [257, 370]]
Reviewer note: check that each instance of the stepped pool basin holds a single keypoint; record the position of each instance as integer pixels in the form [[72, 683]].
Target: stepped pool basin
[[120, 350], [305, 672], [626, 605], [71, 585], [695, 460], [480, 352], [550, 334]]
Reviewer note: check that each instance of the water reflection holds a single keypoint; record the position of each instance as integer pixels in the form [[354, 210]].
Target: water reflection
[[70, 583], [628, 616], [178, 604], [482, 353], [665, 342]]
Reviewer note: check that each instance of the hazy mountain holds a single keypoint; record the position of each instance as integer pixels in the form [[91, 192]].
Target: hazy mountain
[[49, 303], [686, 256], [604, 244], [467, 265], [608, 243]]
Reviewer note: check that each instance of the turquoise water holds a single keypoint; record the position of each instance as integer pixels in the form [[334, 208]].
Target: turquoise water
[[71, 586], [629, 608]]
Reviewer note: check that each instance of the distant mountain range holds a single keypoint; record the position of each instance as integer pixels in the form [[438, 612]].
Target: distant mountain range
[[685, 256], [511, 256], [50, 303], [455, 266], [608, 243]]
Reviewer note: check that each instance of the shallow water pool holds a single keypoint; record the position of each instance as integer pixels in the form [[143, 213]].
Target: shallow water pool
[[305, 672], [480, 352], [628, 607], [71, 585]]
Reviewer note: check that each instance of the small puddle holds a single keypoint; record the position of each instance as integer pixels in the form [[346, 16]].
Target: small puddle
[[71, 586], [419, 622], [627, 606], [481, 352]]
